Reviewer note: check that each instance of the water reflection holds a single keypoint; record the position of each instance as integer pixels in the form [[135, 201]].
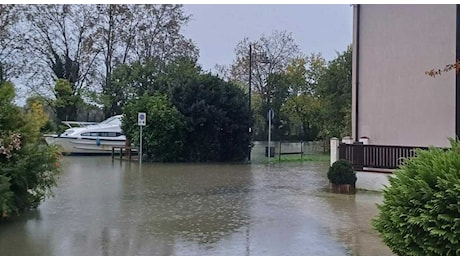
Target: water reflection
[[105, 207]]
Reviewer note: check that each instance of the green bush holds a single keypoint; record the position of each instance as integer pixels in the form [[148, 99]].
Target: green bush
[[420, 213], [341, 172], [217, 119], [28, 167], [163, 134]]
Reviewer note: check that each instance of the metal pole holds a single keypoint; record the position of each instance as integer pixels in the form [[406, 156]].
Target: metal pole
[[269, 132], [249, 102], [140, 146]]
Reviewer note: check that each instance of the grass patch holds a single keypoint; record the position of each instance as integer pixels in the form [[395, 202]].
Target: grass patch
[[305, 158], [321, 157]]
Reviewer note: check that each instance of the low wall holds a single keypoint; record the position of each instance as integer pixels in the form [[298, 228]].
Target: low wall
[[258, 150], [374, 181]]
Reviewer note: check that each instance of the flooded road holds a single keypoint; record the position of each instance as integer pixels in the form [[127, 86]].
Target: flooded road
[[105, 207]]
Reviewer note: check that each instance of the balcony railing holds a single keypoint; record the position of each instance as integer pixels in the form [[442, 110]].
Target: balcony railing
[[376, 156]]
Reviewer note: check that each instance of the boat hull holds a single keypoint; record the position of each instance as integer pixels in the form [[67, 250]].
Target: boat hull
[[84, 146]]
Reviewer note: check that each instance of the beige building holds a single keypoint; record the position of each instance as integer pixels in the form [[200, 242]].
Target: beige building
[[394, 101]]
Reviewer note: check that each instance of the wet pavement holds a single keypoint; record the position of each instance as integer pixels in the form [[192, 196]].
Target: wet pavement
[[105, 207]]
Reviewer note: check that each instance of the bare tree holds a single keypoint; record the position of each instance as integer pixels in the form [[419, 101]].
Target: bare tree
[[84, 43], [130, 33], [9, 17], [58, 44], [159, 34], [270, 54]]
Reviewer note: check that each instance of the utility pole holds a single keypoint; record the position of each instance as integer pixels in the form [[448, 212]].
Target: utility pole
[[249, 102]]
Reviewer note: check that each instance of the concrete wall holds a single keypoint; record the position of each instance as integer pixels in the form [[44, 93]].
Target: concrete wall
[[398, 103], [258, 150], [373, 181]]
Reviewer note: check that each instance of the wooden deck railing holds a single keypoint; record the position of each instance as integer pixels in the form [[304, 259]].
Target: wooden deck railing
[[376, 156]]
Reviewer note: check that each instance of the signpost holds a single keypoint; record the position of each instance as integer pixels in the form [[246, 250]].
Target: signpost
[[141, 121], [270, 116]]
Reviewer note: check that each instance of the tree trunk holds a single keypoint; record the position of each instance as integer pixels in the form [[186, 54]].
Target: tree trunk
[[342, 188]]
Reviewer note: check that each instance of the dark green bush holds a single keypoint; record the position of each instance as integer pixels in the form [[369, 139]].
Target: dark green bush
[[420, 213], [217, 119], [164, 132], [28, 168], [341, 172]]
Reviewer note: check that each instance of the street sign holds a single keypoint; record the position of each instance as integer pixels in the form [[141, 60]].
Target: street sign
[[141, 118], [270, 114]]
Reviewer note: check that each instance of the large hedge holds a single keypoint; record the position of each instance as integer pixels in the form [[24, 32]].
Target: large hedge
[[217, 118], [28, 167], [420, 213], [163, 135], [199, 117]]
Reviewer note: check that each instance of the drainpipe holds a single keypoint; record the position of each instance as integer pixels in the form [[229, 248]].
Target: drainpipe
[[457, 76], [357, 74]]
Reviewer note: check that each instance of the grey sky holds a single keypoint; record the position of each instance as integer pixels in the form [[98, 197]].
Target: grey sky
[[216, 29]]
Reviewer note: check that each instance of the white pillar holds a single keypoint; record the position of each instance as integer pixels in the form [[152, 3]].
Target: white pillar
[[347, 140], [364, 140], [334, 150]]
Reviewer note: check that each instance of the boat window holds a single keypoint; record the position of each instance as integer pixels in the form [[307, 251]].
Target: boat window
[[103, 134]]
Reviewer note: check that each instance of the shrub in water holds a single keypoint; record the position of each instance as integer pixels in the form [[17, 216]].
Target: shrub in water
[[341, 172], [420, 213]]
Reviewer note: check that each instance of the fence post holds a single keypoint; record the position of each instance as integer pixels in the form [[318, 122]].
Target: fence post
[[279, 155], [334, 149], [301, 150], [358, 155]]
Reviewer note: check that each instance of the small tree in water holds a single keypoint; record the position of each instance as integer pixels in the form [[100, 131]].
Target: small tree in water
[[28, 167]]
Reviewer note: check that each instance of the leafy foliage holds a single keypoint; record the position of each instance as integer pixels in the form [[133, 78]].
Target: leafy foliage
[[67, 102], [435, 72], [342, 172], [28, 166], [210, 115], [420, 213], [128, 82], [303, 112], [277, 92], [217, 119], [311, 97], [83, 44], [163, 135], [334, 88]]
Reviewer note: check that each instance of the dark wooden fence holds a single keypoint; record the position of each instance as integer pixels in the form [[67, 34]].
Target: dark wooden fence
[[376, 156]]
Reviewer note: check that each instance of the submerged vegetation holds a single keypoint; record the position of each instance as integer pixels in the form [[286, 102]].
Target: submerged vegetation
[[28, 167]]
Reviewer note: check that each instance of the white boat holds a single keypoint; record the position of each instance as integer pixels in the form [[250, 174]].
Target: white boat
[[92, 139]]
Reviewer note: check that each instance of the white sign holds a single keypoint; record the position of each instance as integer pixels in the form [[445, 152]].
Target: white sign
[[270, 114], [141, 118]]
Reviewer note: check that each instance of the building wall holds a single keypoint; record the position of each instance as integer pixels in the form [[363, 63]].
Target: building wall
[[398, 103]]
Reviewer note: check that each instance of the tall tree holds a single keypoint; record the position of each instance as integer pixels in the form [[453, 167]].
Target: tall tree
[[334, 88], [270, 55], [130, 81], [216, 116], [65, 100], [60, 38], [131, 33], [9, 17], [302, 108], [159, 35]]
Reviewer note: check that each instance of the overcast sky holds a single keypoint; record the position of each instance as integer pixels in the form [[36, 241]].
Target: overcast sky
[[216, 29]]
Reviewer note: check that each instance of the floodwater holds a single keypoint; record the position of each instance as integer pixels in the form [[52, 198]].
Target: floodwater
[[105, 207]]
